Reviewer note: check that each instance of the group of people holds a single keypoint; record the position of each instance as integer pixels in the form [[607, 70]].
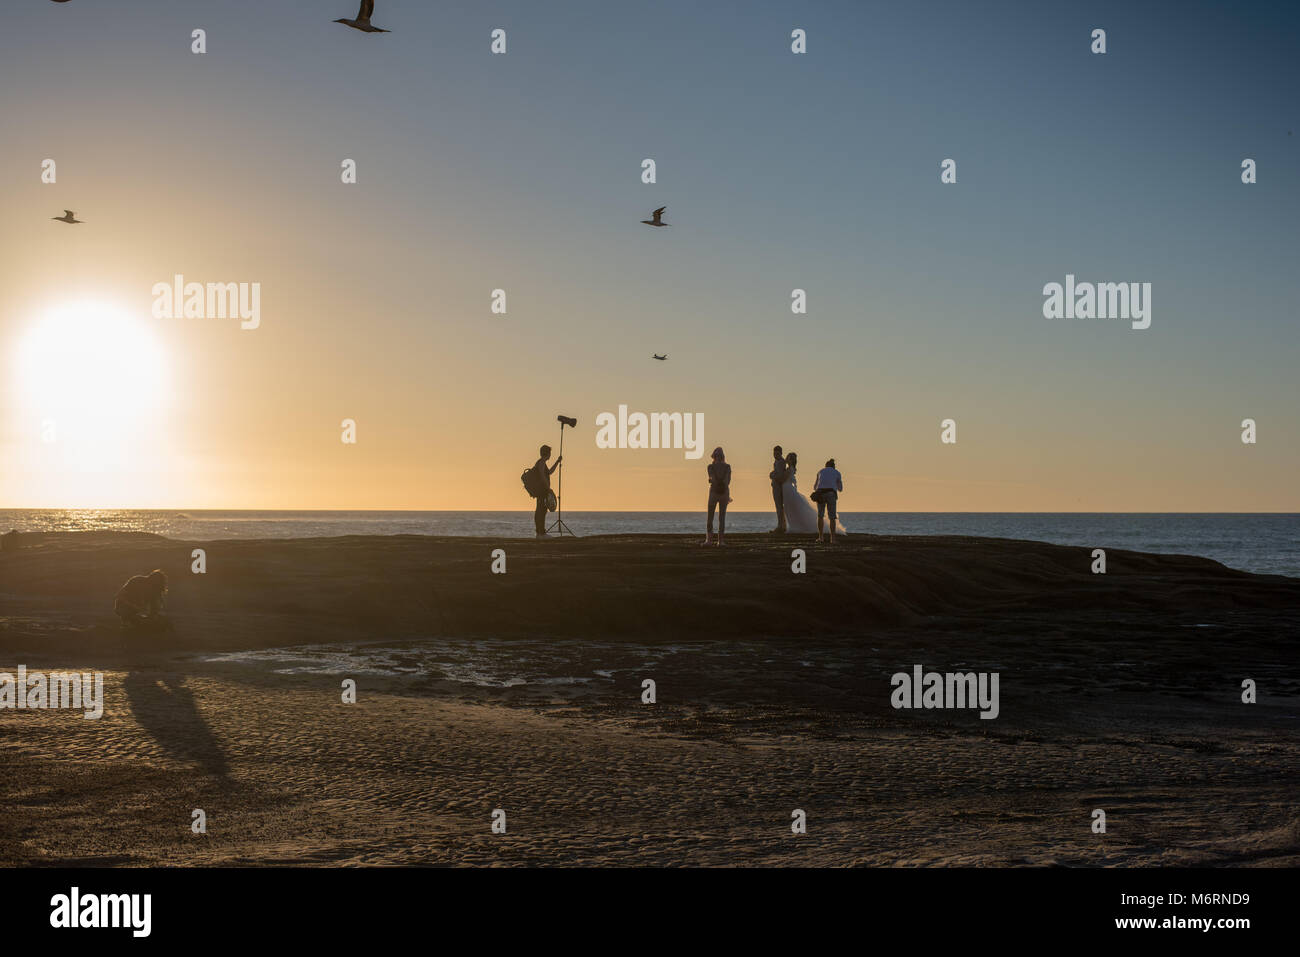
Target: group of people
[[795, 512]]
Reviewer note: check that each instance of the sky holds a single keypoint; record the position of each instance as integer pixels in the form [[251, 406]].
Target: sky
[[522, 171]]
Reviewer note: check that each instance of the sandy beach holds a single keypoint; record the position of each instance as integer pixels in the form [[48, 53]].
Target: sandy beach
[[522, 691]]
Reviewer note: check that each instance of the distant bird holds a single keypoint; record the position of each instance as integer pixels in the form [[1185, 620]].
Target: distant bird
[[67, 216], [657, 220], [362, 22], [659, 357]]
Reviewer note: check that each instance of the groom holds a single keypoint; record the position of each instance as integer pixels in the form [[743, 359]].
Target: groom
[[777, 475]]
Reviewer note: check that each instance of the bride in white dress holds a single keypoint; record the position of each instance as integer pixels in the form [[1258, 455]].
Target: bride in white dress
[[800, 510]]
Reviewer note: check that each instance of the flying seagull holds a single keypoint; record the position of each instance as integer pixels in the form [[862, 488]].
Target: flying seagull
[[658, 218], [362, 22], [67, 217], [659, 357]]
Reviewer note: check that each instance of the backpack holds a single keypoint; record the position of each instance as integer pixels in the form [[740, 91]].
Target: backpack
[[531, 485]]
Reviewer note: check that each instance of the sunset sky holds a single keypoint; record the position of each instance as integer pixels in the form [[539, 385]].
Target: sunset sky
[[522, 171]]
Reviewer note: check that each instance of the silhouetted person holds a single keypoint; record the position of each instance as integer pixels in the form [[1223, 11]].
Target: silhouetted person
[[542, 476], [830, 484], [777, 475], [141, 598], [719, 494]]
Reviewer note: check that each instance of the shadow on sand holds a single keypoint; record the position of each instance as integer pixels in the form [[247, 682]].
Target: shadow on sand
[[165, 708]]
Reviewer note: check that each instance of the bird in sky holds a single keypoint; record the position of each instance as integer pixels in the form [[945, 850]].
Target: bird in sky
[[362, 22], [67, 217], [658, 218], [659, 357]]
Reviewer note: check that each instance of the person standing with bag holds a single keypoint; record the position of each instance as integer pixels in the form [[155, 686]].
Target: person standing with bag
[[826, 493], [542, 486]]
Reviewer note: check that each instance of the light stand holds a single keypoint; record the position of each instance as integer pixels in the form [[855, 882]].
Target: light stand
[[558, 526]]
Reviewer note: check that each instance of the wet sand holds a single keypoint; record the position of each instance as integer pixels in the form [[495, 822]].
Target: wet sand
[[1119, 692]]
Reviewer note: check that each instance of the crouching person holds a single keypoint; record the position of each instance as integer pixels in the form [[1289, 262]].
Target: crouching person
[[141, 599]]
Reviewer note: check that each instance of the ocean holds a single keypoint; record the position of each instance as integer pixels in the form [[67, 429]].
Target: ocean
[[1263, 543]]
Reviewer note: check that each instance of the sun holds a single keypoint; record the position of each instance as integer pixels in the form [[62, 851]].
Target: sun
[[93, 371]]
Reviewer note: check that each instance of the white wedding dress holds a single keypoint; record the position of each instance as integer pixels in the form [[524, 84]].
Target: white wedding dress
[[801, 511]]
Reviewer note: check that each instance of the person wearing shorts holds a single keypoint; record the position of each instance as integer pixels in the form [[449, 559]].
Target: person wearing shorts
[[829, 483]]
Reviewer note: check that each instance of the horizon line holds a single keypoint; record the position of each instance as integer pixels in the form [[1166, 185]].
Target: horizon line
[[613, 511]]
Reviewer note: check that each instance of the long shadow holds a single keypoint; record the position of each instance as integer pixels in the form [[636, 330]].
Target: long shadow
[[165, 708]]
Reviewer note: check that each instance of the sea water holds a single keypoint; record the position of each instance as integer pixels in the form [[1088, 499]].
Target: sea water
[[1264, 543]]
